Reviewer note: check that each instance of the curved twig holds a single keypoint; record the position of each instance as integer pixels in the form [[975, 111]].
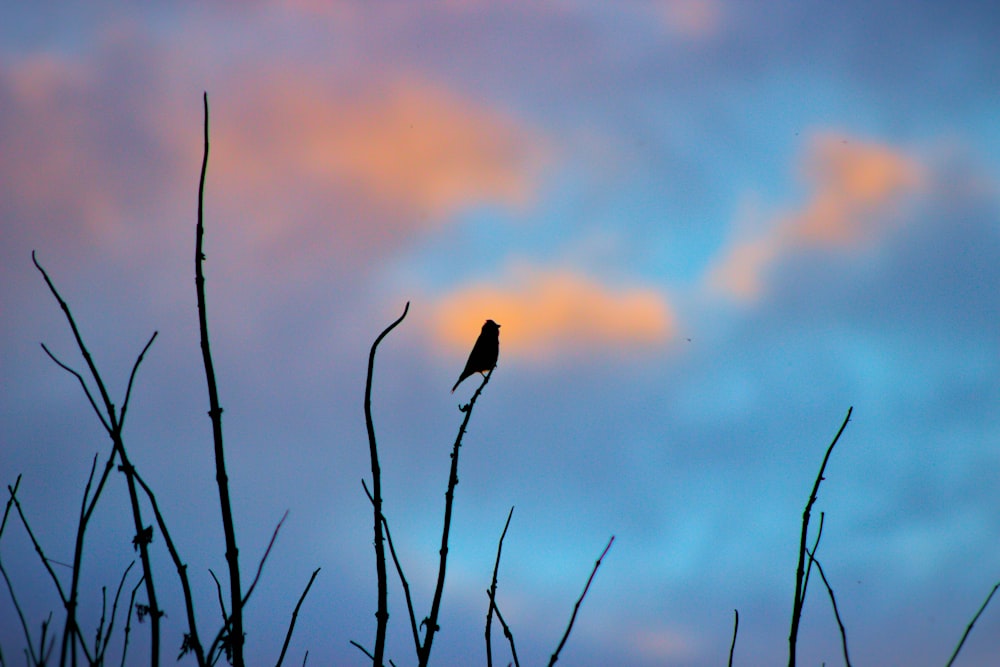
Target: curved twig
[[382, 612]]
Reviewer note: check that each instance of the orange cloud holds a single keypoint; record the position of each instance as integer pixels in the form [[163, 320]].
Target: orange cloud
[[408, 144], [545, 313], [857, 191]]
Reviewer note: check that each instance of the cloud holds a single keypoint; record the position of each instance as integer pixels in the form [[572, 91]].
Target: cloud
[[691, 18], [662, 644], [857, 191], [554, 312], [406, 142]]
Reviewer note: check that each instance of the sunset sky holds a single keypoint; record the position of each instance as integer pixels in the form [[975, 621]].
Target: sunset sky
[[707, 228]]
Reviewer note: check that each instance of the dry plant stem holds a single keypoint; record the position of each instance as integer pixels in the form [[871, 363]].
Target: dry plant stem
[[114, 612], [968, 628], [47, 563], [228, 623], [382, 611], [399, 571], [215, 413], [819, 534], [128, 620], [507, 633], [836, 612], [576, 607], [193, 641], [113, 424], [362, 649], [10, 501], [295, 615], [736, 627], [431, 620], [800, 569], [493, 592], [10, 587]]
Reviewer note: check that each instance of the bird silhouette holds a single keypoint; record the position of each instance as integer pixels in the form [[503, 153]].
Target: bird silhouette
[[484, 353]]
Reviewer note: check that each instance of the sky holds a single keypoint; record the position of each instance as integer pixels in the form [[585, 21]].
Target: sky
[[707, 229]]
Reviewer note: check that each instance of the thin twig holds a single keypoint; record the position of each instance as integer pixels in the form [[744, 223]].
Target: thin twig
[[114, 611], [819, 534], [399, 571], [431, 620], [492, 592], [10, 501], [968, 628], [229, 625], [362, 649], [836, 612], [215, 413], [113, 425], [74, 373], [506, 633], [218, 591], [576, 607], [20, 615], [263, 559], [191, 640], [800, 569], [35, 543], [382, 610], [295, 615], [128, 620], [736, 627]]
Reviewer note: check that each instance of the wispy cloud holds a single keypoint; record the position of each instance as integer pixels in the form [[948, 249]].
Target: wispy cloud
[[857, 189], [551, 312]]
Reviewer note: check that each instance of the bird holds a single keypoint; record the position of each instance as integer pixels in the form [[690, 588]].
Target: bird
[[484, 353]]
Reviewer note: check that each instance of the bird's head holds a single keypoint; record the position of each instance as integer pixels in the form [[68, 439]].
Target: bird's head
[[490, 325]]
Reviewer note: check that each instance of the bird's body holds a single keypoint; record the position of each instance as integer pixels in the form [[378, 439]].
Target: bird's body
[[484, 353]]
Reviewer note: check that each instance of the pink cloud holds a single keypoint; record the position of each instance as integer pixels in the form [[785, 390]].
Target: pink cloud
[[857, 190], [551, 312], [360, 168], [691, 18], [407, 142]]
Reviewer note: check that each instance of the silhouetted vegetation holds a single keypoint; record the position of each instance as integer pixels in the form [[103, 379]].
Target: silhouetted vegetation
[[228, 636]]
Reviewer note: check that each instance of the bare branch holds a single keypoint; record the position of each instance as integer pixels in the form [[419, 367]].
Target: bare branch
[[362, 649], [399, 571], [191, 642], [86, 389], [131, 379], [800, 569], [968, 628], [229, 626], [114, 610], [295, 615], [492, 593], [736, 627], [20, 615], [431, 620], [576, 607], [382, 610], [836, 612], [215, 413], [506, 633]]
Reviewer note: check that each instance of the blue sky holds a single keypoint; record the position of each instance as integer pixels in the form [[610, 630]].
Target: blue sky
[[706, 228]]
